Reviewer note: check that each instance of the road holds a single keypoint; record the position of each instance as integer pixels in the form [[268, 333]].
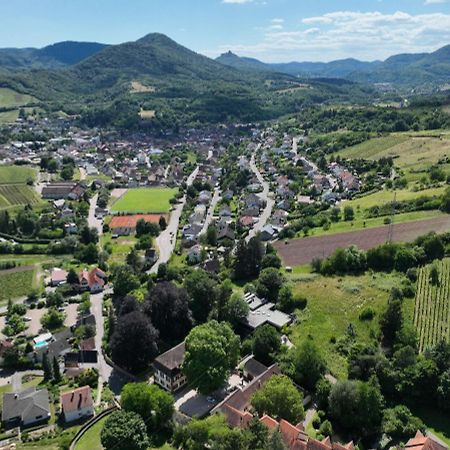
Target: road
[[167, 239], [115, 379], [82, 173], [93, 222], [210, 215], [265, 195]]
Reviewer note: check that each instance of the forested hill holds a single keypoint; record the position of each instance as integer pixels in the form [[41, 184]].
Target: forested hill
[[405, 69], [53, 56]]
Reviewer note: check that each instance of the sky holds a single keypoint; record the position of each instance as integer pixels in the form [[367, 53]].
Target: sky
[[270, 30]]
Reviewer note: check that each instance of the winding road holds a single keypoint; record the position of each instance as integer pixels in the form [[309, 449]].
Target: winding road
[[264, 195]]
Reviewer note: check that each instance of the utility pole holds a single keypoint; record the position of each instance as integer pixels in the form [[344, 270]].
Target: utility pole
[[391, 225]]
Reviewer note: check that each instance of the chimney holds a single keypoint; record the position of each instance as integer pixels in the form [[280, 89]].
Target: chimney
[[71, 397], [80, 399]]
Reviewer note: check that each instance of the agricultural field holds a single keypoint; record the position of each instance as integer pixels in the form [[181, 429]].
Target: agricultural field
[[145, 200], [298, 252], [432, 306], [16, 283], [374, 148], [17, 195], [10, 98], [333, 303], [16, 174]]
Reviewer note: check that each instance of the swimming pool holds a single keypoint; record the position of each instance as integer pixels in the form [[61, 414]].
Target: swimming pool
[[41, 344]]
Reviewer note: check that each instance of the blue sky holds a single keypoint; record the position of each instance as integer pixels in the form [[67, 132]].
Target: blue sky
[[271, 30]]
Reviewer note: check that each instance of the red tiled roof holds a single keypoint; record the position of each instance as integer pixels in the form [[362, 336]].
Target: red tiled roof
[[77, 399], [421, 442]]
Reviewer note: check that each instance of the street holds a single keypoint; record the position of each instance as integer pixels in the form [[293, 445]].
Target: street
[[93, 222], [210, 215], [167, 239], [270, 202]]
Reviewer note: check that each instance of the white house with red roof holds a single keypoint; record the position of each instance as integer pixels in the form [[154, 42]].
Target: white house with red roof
[[93, 280], [77, 404]]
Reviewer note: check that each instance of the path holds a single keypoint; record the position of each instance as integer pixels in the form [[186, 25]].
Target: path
[[93, 222], [309, 416], [16, 379], [270, 202], [167, 239], [82, 173]]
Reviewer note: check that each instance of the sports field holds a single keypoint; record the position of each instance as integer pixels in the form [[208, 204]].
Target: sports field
[[16, 174], [145, 200]]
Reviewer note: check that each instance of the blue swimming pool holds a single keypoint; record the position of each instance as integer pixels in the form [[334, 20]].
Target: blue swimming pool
[[41, 344]]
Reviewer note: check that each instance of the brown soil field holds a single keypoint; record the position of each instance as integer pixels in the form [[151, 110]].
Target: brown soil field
[[131, 221], [302, 251]]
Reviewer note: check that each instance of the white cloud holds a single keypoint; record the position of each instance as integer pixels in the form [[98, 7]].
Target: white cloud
[[435, 2], [342, 34]]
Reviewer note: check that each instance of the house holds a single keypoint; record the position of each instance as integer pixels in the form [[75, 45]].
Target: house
[[57, 277], [211, 266], [194, 255], [225, 212], [246, 221], [25, 408], [53, 345], [252, 368], [421, 442], [236, 407], [167, 369], [93, 281], [262, 312], [190, 234], [77, 404], [268, 233], [252, 201], [62, 190], [226, 233]]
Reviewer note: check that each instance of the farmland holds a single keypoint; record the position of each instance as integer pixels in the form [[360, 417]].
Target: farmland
[[432, 307], [145, 200], [10, 98], [17, 195], [16, 174], [16, 283], [374, 148], [303, 251]]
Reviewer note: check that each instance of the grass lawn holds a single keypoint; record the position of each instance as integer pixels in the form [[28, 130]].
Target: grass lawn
[[383, 197], [120, 247], [435, 421], [334, 303], [91, 439], [10, 98], [16, 174], [16, 284], [145, 200], [358, 223]]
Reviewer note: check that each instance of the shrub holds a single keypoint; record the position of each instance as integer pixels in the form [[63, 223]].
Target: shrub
[[367, 313]]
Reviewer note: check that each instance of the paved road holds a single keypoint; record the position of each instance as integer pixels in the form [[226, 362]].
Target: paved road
[[93, 222], [210, 215], [167, 239], [82, 173], [115, 379], [270, 202]]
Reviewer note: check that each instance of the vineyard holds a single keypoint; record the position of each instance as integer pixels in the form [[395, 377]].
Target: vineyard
[[16, 195], [432, 307]]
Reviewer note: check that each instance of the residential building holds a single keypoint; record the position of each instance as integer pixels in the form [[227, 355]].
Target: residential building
[[25, 408], [167, 368], [422, 442], [57, 277], [77, 404], [93, 280]]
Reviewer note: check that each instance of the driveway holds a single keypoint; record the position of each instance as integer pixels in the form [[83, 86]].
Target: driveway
[[211, 209], [71, 314], [264, 195], [167, 239], [34, 325]]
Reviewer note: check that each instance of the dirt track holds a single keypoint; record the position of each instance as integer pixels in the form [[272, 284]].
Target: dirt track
[[303, 251]]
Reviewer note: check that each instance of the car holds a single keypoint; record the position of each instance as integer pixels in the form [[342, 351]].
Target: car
[[61, 309], [27, 319], [210, 399]]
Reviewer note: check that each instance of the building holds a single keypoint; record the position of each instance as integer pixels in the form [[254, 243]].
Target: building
[[167, 368], [262, 312], [62, 190], [25, 408], [77, 404], [93, 281], [58, 276], [421, 442]]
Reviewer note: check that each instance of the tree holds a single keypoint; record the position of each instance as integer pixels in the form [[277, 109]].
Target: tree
[[434, 274], [211, 235], [271, 260], [266, 344], [134, 342], [88, 235], [391, 321], [56, 371], [154, 405], [212, 350], [72, 277], [309, 364], [236, 310], [168, 306], [276, 441], [280, 399], [162, 223], [349, 214], [399, 423], [259, 435], [269, 284], [247, 263], [443, 391], [124, 281], [202, 290], [53, 319], [47, 368], [124, 430]]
